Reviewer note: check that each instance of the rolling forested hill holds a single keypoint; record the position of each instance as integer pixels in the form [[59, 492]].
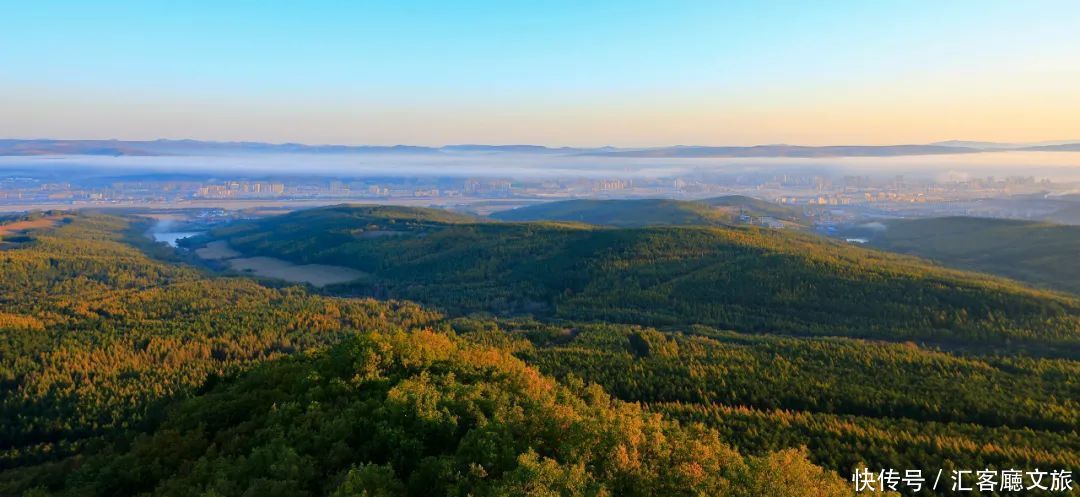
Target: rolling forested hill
[[754, 207], [624, 213], [1042, 254], [848, 401], [638, 213], [123, 374], [94, 334], [745, 279]]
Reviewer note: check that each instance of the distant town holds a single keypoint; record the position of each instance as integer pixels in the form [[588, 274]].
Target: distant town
[[826, 199]]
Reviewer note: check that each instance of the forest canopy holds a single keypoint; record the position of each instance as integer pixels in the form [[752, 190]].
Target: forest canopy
[[741, 278], [125, 370], [126, 375]]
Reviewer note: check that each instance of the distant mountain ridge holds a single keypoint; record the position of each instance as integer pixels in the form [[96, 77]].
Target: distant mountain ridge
[[184, 147], [1007, 146], [15, 147], [790, 151], [1063, 147]]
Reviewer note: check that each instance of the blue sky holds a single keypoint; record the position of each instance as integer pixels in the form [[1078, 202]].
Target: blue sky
[[579, 73]]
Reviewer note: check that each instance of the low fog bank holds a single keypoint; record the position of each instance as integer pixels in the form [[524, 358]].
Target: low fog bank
[[1056, 166]]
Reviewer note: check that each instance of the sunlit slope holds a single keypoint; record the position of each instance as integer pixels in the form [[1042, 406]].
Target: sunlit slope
[[849, 401], [636, 213], [739, 278], [624, 213], [94, 335], [124, 375], [422, 413], [754, 207], [1042, 254]]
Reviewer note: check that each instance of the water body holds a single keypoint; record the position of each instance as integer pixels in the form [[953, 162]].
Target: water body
[[263, 267], [171, 237]]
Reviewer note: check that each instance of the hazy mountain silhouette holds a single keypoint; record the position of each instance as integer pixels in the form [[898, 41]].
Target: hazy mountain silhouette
[[13, 147]]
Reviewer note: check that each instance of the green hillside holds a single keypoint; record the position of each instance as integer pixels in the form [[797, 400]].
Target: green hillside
[[623, 213], [848, 401], [755, 207], [94, 335], [419, 414], [637, 213], [121, 375], [1041, 254], [126, 374], [737, 278]]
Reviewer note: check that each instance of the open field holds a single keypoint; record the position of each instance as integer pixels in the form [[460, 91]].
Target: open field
[[314, 274], [270, 267], [21, 227], [217, 250]]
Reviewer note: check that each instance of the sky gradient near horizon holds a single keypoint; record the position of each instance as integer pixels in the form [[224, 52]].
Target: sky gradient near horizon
[[626, 73]]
